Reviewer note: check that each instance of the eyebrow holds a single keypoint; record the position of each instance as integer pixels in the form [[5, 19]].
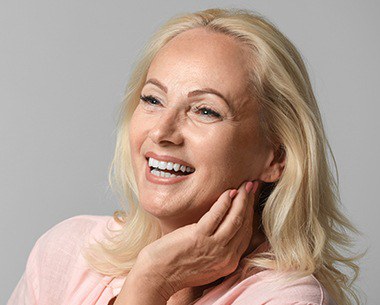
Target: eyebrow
[[156, 82]]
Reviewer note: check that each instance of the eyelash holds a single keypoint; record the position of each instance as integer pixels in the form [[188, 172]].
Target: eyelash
[[149, 98]]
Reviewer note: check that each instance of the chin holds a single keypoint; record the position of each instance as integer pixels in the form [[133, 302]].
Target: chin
[[158, 208]]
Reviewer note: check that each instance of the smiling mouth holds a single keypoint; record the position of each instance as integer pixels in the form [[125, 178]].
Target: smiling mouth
[[158, 171]]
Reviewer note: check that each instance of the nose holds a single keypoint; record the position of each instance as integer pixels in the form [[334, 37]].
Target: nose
[[167, 129]]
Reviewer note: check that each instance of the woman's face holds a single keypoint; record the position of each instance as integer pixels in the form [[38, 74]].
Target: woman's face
[[225, 149]]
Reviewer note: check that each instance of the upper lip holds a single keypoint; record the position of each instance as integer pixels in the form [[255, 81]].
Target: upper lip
[[167, 158]]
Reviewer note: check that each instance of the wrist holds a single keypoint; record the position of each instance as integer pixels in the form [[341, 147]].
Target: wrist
[[152, 275], [141, 287]]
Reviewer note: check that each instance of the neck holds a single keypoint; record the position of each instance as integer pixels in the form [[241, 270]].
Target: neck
[[258, 237]]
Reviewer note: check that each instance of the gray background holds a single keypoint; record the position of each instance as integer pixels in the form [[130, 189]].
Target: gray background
[[63, 70]]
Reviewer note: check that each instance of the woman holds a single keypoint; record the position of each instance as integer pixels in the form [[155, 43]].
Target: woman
[[222, 157]]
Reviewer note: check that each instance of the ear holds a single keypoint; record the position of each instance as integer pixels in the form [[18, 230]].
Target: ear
[[274, 165]]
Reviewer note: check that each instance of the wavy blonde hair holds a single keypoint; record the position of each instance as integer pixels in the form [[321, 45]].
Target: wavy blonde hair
[[301, 212]]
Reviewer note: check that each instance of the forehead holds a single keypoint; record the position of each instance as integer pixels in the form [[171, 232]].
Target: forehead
[[200, 58]]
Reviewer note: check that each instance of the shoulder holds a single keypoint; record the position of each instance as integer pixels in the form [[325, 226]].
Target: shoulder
[[79, 224], [62, 244], [269, 287], [74, 229], [55, 265]]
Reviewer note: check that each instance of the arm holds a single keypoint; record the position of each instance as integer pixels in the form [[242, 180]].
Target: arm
[[25, 293], [144, 286]]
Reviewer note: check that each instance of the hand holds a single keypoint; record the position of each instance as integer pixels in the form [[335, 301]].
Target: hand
[[200, 253]]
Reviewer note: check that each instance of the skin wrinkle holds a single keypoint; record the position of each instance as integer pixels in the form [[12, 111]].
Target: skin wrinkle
[[157, 83], [225, 152], [221, 108]]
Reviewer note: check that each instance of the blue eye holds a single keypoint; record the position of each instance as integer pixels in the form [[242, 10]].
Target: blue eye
[[149, 99], [208, 112]]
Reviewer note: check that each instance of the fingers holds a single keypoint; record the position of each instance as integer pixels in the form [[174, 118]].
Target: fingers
[[238, 215], [243, 237], [211, 220]]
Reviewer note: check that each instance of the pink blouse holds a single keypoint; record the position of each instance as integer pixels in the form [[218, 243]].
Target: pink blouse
[[56, 273]]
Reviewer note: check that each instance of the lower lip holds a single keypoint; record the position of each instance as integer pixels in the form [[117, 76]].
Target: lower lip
[[163, 180]]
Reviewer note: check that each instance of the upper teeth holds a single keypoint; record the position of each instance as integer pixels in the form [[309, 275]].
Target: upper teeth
[[170, 166]]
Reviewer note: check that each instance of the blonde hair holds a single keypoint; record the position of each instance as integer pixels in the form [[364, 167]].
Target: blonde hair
[[301, 214]]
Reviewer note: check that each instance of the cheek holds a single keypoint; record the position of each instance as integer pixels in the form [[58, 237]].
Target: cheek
[[231, 155], [220, 154], [137, 130]]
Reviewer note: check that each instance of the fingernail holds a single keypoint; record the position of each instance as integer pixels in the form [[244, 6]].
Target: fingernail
[[233, 193], [255, 186], [248, 186]]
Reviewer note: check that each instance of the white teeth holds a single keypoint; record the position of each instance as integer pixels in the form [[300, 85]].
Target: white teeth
[[155, 172], [162, 165], [169, 166], [163, 174]]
